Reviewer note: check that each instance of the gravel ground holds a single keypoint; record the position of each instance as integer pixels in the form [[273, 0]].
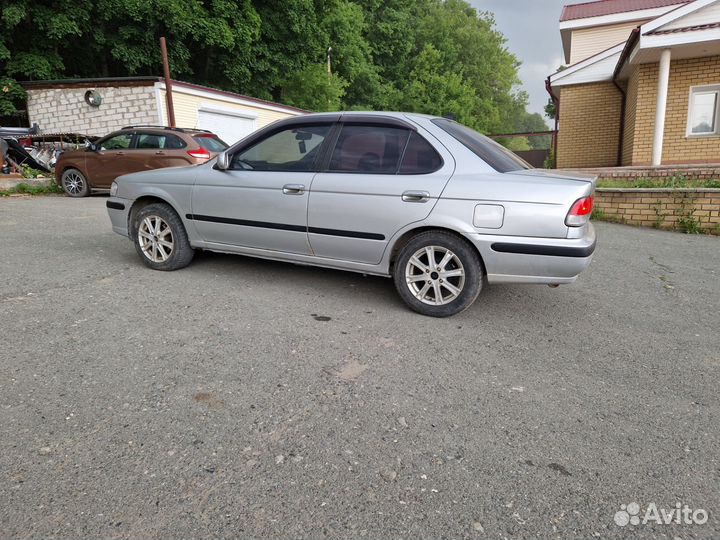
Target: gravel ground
[[247, 398]]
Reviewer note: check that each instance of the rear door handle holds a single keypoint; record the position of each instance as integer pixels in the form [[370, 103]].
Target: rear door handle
[[293, 189], [416, 196]]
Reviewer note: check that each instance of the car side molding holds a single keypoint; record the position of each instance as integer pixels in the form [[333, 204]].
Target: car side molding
[[551, 251], [286, 227]]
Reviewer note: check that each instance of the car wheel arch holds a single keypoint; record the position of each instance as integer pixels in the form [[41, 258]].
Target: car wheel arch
[[142, 202], [405, 237]]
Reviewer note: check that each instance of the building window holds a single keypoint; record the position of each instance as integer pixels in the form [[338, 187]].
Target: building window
[[703, 113]]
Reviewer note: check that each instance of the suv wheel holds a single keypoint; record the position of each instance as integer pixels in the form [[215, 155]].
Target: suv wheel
[[74, 183], [438, 274], [160, 238]]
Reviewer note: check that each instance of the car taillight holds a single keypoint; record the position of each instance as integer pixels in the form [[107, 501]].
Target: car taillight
[[580, 211], [200, 153]]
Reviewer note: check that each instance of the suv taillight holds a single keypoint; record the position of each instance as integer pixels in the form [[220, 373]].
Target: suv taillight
[[200, 153], [580, 211]]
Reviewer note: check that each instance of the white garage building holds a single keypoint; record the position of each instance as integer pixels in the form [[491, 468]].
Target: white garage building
[[99, 106]]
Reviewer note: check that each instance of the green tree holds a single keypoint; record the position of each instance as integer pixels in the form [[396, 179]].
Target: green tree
[[532, 123], [431, 90], [313, 89], [518, 144], [437, 56], [472, 48], [11, 94]]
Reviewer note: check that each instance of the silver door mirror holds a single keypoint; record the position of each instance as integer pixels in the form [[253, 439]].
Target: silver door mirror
[[223, 161]]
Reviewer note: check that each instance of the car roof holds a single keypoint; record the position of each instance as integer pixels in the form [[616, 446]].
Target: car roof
[[189, 131], [384, 114]]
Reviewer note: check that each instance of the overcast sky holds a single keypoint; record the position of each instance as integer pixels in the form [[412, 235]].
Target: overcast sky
[[531, 28]]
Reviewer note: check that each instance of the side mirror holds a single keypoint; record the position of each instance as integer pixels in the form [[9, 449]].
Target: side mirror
[[91, 146], [223, 161]]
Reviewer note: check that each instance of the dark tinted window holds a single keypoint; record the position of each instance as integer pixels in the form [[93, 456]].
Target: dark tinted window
[[369, 149], [497, 156], [211, 143], [420, 157], [292, 149], [149, 141]]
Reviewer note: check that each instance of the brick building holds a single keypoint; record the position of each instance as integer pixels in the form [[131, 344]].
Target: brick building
[[643, 87]]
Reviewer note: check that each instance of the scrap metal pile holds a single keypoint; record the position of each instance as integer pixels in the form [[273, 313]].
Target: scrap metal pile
[[25, 147]]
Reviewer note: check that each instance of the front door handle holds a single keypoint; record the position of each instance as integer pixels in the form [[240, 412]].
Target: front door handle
[[293, 189], [160, 153], [119, 153], [416, 196]]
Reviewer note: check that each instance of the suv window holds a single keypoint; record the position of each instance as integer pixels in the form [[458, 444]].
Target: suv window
[[117, 142], [369, 149], [419, 157], [292, 149], [211, 143], [147, 141], [494, 154]]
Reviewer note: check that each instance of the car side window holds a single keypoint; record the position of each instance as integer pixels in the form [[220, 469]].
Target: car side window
[[369, 149], [156, 141], [419, 157], [294, 149], [118, 142]]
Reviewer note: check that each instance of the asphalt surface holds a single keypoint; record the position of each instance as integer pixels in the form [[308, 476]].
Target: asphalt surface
[[247, 398]]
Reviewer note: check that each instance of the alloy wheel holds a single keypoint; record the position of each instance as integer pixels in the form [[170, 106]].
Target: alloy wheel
[[73, 183], [435, 275], [156, 239]]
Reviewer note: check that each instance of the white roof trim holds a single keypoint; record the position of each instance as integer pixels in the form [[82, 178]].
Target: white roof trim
[[227, 111], [594, 69], [664, 41], [676, 13]]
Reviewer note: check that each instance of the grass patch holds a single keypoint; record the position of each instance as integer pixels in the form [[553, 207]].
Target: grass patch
[[27, 189], [689, 225], [598, 214], [677, 182]]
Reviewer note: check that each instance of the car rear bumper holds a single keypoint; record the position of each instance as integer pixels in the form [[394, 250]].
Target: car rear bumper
[[118, 210], [512, 259]]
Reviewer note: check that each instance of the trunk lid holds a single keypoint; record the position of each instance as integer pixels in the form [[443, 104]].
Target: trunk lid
[[560, 175]]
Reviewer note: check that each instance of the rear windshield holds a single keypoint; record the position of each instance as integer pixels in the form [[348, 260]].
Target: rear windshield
[[211, 143], [496, 155]]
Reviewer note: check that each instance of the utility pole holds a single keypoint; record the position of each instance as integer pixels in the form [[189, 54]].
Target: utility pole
[[168, 83], [328, 61]]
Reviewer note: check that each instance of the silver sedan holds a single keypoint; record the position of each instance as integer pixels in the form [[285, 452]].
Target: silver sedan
[[427, 201]]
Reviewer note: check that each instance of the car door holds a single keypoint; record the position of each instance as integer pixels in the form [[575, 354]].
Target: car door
[[112, 158], [381, 176], [154, 150], [261, 200]]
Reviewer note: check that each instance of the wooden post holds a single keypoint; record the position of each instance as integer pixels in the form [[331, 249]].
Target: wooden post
[[168, 83]]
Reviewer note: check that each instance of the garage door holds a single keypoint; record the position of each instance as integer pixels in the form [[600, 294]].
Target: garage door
[[228, 126]]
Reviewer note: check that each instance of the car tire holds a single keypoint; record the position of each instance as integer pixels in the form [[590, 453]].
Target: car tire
[[74, 183], [160, 238], [455, 277]]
